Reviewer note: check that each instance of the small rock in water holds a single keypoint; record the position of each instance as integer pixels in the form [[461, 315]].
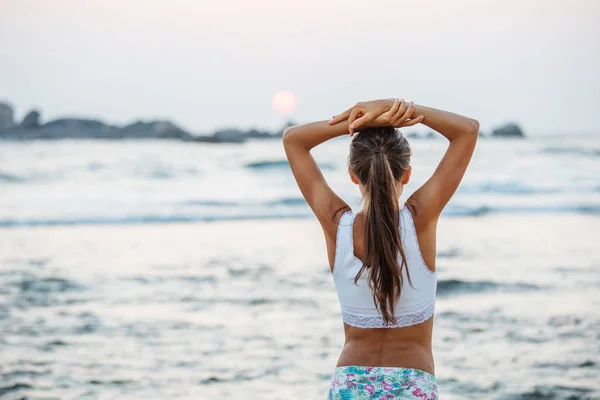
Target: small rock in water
[[230, 136], [153, 129], [6, 117], [76, 128], [31, 120], [508, 130], [256, 134]]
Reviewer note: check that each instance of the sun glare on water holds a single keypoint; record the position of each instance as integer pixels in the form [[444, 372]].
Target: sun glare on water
[[284, 102]]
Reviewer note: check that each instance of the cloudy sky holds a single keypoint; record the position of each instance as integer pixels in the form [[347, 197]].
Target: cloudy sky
[[215, 64]]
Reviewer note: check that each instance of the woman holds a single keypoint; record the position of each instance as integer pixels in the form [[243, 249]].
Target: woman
[[383, 257]]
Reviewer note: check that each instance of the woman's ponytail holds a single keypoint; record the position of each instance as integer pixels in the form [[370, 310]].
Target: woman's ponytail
[[382, 234]]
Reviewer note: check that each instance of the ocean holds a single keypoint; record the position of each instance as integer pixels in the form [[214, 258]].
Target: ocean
[[165, 269]]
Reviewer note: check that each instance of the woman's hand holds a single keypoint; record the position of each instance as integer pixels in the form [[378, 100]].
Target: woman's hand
[[377, 113]]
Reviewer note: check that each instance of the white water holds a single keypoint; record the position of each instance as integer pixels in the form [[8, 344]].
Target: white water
[[81, 182]]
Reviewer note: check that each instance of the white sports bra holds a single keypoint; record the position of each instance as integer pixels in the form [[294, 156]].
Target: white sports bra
[[416, 303]]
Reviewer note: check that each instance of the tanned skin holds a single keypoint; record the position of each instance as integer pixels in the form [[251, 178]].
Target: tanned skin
[[408, 347]]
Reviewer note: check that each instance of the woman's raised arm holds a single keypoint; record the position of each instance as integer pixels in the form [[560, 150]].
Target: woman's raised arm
[[297, 142], [431, 198]]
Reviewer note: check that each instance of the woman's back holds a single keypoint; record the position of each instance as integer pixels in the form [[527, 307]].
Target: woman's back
[[369, 341], [387, 322]]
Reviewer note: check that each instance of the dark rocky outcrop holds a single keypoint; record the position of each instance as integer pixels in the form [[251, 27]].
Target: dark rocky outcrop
[[7, 119], [153, 129], [77, 128], [508, 130], [31, 120], [64, 128], [256, 134], [230, 136]]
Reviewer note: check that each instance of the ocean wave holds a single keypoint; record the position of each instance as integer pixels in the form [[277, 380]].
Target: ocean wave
[[461, 211], [558, 392], [203, 302], [161, 171], [565, 365], [504, 188], [475, 211], [286, 201], [292, 208], [144, 219], [13, 388], [578, 151], [268, 164], [64, 174], [10, 178], [450, 253], [25, 289], [111, 382], [454, 286], [280, 164], [210, 203], [18, 373], [153, 280], [48, 285], [236, 377]]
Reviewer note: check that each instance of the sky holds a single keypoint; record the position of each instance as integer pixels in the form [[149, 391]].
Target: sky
[[210, 65]]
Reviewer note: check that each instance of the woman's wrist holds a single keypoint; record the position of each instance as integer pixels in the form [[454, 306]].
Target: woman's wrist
[[376, 113], [389, 103]]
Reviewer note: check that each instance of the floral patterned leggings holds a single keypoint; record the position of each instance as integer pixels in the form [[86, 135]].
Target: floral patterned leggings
[[382, 383]]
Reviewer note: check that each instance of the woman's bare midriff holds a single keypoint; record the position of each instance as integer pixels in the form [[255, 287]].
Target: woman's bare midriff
[[408, 347]]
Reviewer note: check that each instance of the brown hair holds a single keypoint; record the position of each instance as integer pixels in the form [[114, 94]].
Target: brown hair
[[379, 157]]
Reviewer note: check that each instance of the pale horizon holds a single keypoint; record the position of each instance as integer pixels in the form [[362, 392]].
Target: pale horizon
[[208, 66]]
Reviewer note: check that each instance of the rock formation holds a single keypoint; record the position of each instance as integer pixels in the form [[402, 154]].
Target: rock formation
[[80, 128], [77, 128], [508, 130], [154, 129], [7, 119], [230, 136], [31, 120]]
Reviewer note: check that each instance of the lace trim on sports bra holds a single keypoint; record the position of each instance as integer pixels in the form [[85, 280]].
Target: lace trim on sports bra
[[401, 321]]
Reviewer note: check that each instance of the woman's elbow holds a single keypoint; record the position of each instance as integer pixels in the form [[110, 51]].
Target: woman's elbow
[[288, 135], [473, 127]]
